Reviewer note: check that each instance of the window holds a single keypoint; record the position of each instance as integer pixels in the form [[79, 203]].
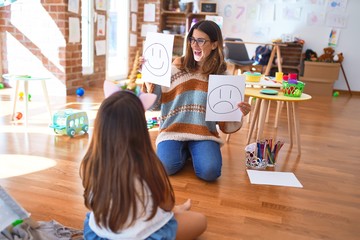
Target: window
[[117, 40], [87, 11]]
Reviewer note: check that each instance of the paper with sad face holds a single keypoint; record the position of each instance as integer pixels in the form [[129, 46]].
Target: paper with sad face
[[158, 57], [224, 93]]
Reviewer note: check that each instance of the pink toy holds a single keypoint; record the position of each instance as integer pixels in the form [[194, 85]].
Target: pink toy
[[147, 99]]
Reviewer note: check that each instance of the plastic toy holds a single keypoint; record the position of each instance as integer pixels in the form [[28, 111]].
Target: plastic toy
[[336, 94], [21, 96], [70, 122], [1, 86], [153, 122], [80, 92], [19, 115]]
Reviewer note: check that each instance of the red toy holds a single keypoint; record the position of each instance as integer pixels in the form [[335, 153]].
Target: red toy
[[19, 115]]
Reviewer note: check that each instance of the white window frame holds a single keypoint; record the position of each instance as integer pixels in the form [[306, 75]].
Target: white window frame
[[87, 23], [125, 16]]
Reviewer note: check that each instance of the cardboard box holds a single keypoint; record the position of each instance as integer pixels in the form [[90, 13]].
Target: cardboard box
[[317, 86], [326, 71], [319, 77]]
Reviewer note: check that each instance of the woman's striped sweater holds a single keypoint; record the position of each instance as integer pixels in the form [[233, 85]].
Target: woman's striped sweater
[[182, 107]]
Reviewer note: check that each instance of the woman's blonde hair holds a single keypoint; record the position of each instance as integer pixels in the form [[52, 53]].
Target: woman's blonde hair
[[119, 156]]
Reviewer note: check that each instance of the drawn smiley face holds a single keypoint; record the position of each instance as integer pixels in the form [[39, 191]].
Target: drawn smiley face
[[221, 99], [157, 59]]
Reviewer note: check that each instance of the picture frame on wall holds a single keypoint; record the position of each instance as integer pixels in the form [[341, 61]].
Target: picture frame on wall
[[208, 7]]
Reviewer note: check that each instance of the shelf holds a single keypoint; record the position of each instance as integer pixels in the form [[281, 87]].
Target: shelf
[[173, 12], [178, 23]]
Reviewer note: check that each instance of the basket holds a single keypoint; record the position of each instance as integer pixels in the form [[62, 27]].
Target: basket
[[293, 89], [252, 76]]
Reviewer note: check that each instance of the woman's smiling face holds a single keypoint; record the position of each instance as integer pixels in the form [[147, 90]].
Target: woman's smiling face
[[201, 46]]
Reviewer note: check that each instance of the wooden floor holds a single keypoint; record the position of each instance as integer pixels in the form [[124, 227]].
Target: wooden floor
[[45, 179]]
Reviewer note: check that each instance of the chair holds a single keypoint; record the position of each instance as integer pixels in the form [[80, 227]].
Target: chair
[[236, 54]]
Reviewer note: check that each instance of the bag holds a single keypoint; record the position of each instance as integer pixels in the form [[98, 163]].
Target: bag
[[262, 55]]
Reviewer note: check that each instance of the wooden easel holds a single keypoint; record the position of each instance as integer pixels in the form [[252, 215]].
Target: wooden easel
[[347, 83], [275, 50]]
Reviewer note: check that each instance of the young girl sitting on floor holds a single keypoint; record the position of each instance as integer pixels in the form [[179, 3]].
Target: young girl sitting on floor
[[127, 190]]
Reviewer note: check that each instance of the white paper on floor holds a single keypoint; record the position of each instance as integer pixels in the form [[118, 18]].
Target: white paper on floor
[[287, 179]]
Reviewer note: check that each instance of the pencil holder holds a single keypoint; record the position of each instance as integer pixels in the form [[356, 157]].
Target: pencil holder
[[251, 159], [293, 89]]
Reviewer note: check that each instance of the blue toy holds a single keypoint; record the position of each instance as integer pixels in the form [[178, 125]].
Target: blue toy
[[70, 122], [80, 92]]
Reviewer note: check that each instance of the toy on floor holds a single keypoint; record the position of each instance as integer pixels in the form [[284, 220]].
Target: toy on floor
[[21, 96], [70, 122], [80, 92], [153, 122], [19, 115]]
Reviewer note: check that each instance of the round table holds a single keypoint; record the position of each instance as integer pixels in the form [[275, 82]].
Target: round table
[[261, 105], [26, 79]]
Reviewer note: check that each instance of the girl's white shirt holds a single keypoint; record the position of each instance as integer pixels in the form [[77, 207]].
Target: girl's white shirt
[[141, 228]]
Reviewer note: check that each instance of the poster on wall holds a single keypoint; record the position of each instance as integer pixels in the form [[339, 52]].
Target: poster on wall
[[145, 28], [336, 20], [100, 47], [100, 5], [149, 12], [234, 17], [133, 22], [315, 18], [74, 30], [133, 40], [101, 25], [73, 6], [334, 37], [133, 5], [337, 5]]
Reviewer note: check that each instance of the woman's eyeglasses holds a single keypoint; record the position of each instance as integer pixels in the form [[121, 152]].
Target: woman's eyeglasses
[[199, 41]]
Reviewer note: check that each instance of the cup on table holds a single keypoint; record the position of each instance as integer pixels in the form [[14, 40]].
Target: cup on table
[[279, 76]]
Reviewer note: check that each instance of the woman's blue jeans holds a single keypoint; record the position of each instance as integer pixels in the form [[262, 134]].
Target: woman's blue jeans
[[205, 155]]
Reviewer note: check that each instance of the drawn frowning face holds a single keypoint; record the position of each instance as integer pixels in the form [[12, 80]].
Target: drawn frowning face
[[157, 59], [221, 99]]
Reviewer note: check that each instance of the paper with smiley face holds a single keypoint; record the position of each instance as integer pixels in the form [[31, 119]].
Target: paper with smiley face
[[224, 93], [158, 56]]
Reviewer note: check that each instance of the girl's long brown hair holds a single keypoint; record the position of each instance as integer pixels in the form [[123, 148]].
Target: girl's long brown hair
[[215, 62], [120, 152]]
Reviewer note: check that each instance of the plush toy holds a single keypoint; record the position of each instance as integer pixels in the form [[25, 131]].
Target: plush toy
[[310, 55], [338, 58], [327, 56]]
